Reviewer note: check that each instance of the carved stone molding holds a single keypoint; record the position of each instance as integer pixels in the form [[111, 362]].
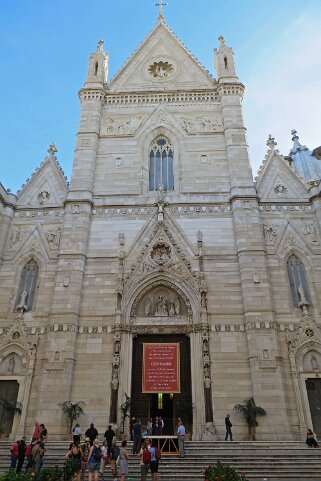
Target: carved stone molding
[[17, 237], [55, 212], [18, 335], [285, 207], [270, 234], [306, 332], [53, 238], [201, 124], [121, 211], [120, 126], [161, 70], [156, 98]]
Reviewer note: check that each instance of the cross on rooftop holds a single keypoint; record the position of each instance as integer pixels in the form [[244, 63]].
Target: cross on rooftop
[[161, 4]]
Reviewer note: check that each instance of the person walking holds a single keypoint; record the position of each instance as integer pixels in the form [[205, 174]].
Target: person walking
[[160, 426], [123, 461], [109, 434], [154, 461], [145, 458], [14, 450], [29, 456], [36, 432], [181, 439], [228, 426], [115, 452], [149, 427], [76, 456], [137, 435], [76, 434], [91, 433], [94, 461], [43, 434], [85, 449], [104, 460], [37, 458], [21, 454]]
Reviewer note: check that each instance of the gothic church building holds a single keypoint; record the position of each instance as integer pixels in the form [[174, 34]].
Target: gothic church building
[[163, 238]]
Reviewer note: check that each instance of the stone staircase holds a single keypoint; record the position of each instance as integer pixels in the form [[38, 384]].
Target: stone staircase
[[271, 461]]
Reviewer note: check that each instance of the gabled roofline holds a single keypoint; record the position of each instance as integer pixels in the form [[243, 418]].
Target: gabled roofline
[[159, 25]]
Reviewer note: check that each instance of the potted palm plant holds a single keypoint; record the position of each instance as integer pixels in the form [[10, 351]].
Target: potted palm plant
[[250, 412], [72, 411], [9, 409]]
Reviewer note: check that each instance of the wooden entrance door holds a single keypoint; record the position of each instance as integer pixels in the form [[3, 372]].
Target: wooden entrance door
[[145, 406], [8, 392], [314, 395]]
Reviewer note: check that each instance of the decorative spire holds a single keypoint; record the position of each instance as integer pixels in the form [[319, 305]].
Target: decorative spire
[[52, 151], [222, 41], [296, 144], [100, 45], [271, 142], [161, 4]]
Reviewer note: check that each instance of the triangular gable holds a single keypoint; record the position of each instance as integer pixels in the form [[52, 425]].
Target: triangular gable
[[161, 61], [279, 182], [47, 186], [160, 246]]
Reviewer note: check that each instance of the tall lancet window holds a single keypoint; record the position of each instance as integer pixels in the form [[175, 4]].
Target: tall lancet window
[[27, 286], [298, 281], [161, 164]]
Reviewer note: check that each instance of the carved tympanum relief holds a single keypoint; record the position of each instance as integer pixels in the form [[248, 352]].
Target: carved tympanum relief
[[161, 70], [120, 126], [12, 365], [161, 302], [201, 125], [312, 361]]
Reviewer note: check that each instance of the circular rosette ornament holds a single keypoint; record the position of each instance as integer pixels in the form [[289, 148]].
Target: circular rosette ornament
[[161, 254]]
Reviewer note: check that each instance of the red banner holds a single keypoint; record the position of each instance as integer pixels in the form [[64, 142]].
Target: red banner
[[161, 368]]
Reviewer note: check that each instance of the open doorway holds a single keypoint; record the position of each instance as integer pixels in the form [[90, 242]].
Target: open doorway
[[9, 394]]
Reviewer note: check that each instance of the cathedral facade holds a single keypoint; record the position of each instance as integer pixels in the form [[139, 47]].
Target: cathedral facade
[[163, 238]]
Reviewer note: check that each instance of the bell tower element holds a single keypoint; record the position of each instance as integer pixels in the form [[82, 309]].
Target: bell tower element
[[97, 67], [224, 63]]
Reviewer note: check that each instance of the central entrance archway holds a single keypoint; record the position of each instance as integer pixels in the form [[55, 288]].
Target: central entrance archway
[[169, 406]]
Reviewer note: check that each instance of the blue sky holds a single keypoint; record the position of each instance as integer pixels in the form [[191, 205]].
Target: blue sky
[[45, 45]]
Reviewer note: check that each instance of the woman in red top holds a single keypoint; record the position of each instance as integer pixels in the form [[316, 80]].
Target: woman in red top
[[36, 432]]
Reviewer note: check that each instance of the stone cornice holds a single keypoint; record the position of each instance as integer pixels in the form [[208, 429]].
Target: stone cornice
[[231, 89], [151, 98], [285, 206], [91, 94]]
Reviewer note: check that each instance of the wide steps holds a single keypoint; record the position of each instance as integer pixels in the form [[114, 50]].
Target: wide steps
[[277, 461]]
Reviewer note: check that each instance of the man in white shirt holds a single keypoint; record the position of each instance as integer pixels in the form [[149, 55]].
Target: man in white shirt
[[181, 439]]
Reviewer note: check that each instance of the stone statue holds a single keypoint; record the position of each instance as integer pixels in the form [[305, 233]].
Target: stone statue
[[22, 304], [147, 307], [161, 308], [172, 309], [11, 365], [177, 306], [314, 363], [302, 298], [206, 372]]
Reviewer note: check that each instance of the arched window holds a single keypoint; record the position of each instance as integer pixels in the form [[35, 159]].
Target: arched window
[[161, 164], [27, 286], [297, 278]]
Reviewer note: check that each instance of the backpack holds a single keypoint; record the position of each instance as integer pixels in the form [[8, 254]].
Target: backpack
[[97, 454], [115, 452], [147, 456], [158, 454]]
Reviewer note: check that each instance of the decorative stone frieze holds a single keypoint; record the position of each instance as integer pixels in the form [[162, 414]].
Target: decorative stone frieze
[[120, 126], [156, 98], [40, 213], [201, 125], [285, 207]]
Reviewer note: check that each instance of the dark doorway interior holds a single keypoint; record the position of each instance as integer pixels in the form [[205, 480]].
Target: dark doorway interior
[[8, 392], [314, 395], [169, 406]]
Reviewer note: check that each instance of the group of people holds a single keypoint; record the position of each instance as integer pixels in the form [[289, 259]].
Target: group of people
[[95, 457], [33, 452]]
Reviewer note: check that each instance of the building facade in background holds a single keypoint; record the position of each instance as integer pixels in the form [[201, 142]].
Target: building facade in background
[[163, 239]]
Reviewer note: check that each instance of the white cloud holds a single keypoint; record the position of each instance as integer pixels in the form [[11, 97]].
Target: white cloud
[[285, 92]]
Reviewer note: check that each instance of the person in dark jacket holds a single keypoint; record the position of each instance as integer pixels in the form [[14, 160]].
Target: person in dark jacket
[[91, 433], [21, 454], [228, 426], [109, 434]]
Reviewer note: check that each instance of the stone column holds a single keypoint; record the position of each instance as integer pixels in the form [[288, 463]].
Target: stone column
[[7, 206], [198, 399]]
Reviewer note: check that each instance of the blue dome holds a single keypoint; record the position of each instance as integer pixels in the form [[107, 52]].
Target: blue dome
[[303, 162]]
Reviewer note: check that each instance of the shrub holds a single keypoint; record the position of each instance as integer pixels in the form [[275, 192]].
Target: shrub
[[13, 476], [221, 472]]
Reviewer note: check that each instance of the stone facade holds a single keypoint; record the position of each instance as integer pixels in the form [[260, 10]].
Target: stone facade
[[207, 259]]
